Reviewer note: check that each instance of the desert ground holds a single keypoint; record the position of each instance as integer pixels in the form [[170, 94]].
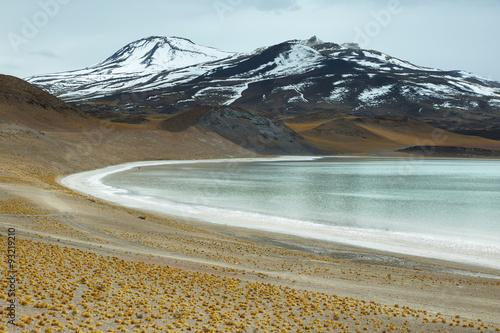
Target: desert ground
[[87, 266]]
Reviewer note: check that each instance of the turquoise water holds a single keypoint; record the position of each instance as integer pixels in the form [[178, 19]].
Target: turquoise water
[[443, 208]]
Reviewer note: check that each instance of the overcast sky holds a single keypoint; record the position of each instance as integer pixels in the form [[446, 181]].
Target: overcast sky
[[47, 36]]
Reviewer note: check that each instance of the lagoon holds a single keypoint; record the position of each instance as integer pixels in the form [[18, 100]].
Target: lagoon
[[440, 208]]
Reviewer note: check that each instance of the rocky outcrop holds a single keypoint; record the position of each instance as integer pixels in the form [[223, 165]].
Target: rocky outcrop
[[249, 129]]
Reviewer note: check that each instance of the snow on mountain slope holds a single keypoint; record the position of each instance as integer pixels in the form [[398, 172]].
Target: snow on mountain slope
[[155, 54], [133, 65], [292, 59]]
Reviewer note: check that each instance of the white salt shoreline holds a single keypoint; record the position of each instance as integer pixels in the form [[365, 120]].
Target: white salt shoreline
[[90, 183]]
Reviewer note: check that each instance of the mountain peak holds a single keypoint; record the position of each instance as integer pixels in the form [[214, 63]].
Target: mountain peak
[[157, 53], [313, 41], [326, 48], [165, 38]]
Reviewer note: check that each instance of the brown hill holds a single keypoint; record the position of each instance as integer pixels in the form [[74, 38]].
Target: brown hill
[[382, 134], [41, 136], [24, 105]]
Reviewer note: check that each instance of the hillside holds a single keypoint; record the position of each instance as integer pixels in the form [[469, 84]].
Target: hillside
[[248, 129], [42, 136], [24, 105], [47, 124], [381, 135]]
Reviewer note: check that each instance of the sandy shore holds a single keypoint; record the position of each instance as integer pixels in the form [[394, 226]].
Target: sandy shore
[[86, 265]]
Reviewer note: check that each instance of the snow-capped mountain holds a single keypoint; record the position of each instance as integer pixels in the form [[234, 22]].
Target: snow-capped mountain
[[167, 75], [132, 65], [155, 54]]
